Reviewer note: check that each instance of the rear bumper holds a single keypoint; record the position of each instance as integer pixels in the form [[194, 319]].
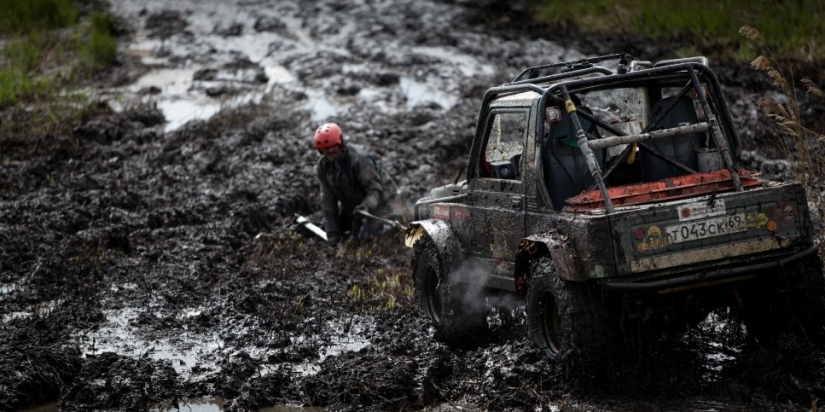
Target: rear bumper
[[708, 278]]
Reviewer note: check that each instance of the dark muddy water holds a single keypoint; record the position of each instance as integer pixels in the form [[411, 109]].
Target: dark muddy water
[[149, 262]]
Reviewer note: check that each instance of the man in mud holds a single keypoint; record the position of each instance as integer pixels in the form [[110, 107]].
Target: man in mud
[[353, 187]]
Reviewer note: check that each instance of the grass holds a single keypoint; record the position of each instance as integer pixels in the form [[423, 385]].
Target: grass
[[387, 290], [379, 280], [793, 27], [274, 252], [101, 50], [47, 52], [15, 84], [28, 15]]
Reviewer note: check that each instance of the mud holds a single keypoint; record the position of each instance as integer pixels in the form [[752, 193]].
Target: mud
[[148, 259]]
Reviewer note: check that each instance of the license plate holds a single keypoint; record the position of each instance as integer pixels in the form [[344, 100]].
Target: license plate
[[702, 229]]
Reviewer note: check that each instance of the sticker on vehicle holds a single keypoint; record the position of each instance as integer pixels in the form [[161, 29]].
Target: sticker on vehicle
[[700, 210], [441, 212], [461, 213]]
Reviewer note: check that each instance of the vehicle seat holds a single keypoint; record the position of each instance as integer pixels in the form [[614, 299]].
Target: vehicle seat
[[565, 169], [681, 149]]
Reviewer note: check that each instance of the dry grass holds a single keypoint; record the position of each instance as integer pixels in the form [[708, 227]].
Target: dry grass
[[802, 146], [380, 277], [383, 290]]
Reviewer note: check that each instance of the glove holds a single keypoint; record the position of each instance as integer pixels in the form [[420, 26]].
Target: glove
[[370, 203], [333, 238]]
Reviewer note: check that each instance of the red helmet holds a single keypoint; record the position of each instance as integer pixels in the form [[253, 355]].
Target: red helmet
[[328, 135]]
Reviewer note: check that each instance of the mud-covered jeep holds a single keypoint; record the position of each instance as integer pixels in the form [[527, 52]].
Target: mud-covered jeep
[[605, 190]]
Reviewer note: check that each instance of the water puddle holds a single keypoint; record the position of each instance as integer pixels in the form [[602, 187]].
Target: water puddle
[[321, 107], [217, 405], [7, 289], [235, 52], [123, 286], [464, 64], [340, 342], [191, 405], [186, 350], [418, 93], [277, 75], [196, 71], [180, 112], [718, 354], [40, 309]]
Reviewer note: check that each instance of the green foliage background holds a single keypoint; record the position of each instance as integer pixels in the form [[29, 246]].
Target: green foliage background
[[28, 15], [48, 47], [791, 27]]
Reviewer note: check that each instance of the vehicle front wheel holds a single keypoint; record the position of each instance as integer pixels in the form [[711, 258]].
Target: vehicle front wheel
[[458, 314]]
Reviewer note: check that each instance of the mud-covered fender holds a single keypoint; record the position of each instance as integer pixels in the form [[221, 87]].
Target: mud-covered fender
[[445, 239], [560, 250]]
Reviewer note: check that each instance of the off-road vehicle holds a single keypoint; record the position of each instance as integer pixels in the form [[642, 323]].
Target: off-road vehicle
[[605, 190]]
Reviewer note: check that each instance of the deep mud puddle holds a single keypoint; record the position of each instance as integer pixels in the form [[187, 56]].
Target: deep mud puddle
[[183, 351], [186, 351], [197, 65]]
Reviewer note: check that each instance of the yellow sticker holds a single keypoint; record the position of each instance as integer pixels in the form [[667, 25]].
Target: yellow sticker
[[756, 220], [653, 243], [570, 106]]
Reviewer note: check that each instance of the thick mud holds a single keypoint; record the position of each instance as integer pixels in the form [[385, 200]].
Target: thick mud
[[149, 261]]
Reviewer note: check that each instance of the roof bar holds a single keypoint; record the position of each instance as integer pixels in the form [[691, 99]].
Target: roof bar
[[570, 64]]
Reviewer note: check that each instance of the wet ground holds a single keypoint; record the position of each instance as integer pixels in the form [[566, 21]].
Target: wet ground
[[149, 260]]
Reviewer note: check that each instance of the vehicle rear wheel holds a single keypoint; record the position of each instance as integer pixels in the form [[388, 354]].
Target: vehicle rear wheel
[[791, 300], [807, 298], [564, 319], [459, 316]]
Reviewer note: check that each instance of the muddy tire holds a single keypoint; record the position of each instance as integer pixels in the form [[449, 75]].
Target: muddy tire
[[459, 318], [806, 300], [790, 301], [564, 319]]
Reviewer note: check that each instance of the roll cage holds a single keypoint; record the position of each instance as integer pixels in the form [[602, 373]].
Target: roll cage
[[560, 90]]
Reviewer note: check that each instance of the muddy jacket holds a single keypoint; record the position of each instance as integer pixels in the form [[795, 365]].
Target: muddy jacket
[[348, 180]]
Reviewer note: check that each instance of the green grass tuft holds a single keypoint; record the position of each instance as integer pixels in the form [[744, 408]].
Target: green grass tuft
[[27, 15], [101, 49], [24, 53], [47, 54], [16, 85]]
